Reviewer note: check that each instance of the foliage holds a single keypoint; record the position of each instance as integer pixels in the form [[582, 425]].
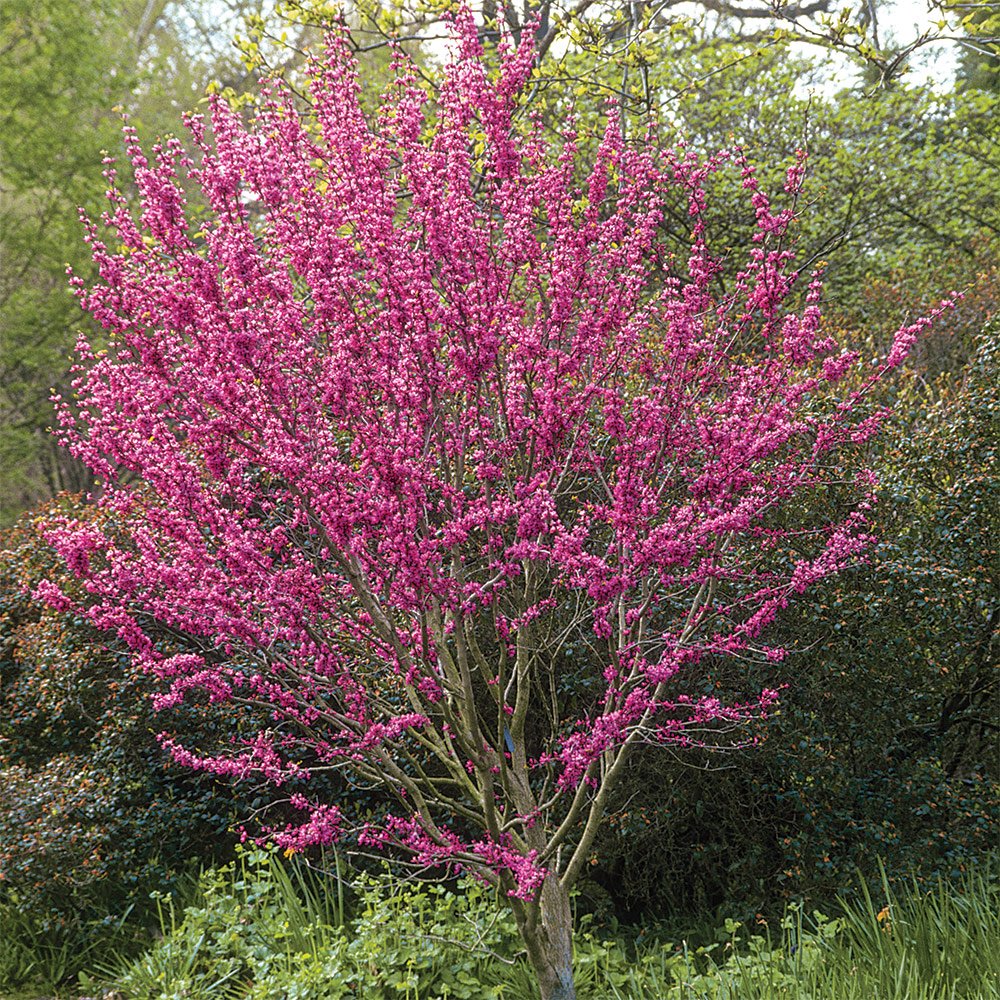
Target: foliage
[[272, 930], [91, 811], [979, 60], [257, 933], [36, 956], [56, 82], [908, 176], [906, 666]]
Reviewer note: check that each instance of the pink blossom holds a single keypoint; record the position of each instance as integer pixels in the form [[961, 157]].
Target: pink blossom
[[48, 593]]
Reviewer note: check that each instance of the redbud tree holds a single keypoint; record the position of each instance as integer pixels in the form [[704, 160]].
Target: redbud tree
[[417, 442]]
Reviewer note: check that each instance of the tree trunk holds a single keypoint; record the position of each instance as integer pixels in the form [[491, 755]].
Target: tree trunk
[[550, 943]]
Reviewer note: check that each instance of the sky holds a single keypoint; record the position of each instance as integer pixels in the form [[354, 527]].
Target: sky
[[902, 21]]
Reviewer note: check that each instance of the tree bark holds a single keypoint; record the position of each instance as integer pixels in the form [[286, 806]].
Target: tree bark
[[549, 941]]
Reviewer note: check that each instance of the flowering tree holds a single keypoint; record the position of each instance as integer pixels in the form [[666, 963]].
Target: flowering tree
[[409, 427]]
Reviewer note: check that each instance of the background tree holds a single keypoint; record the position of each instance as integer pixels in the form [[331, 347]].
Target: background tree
[[620, 31], [65, 68], [903, 174], [979, 62], [425, 461], [51, 61]]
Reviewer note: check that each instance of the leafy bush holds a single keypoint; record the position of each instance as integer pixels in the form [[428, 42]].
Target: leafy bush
[[272, 929], [92, 813], [884, 743], [898, 698]]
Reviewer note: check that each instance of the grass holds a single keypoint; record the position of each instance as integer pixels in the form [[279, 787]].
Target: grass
[[38, 956], [916, 944]]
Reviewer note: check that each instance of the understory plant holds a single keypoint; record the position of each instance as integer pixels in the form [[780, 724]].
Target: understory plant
[[261, 929]]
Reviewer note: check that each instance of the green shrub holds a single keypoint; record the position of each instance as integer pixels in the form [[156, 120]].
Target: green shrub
[[884, 742], [90, 806]]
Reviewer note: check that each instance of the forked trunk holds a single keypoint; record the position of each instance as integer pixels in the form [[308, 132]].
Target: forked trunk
[[550, 943]]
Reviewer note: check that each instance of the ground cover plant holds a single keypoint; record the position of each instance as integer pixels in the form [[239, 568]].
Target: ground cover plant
[[413, 447], [260, 930]]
